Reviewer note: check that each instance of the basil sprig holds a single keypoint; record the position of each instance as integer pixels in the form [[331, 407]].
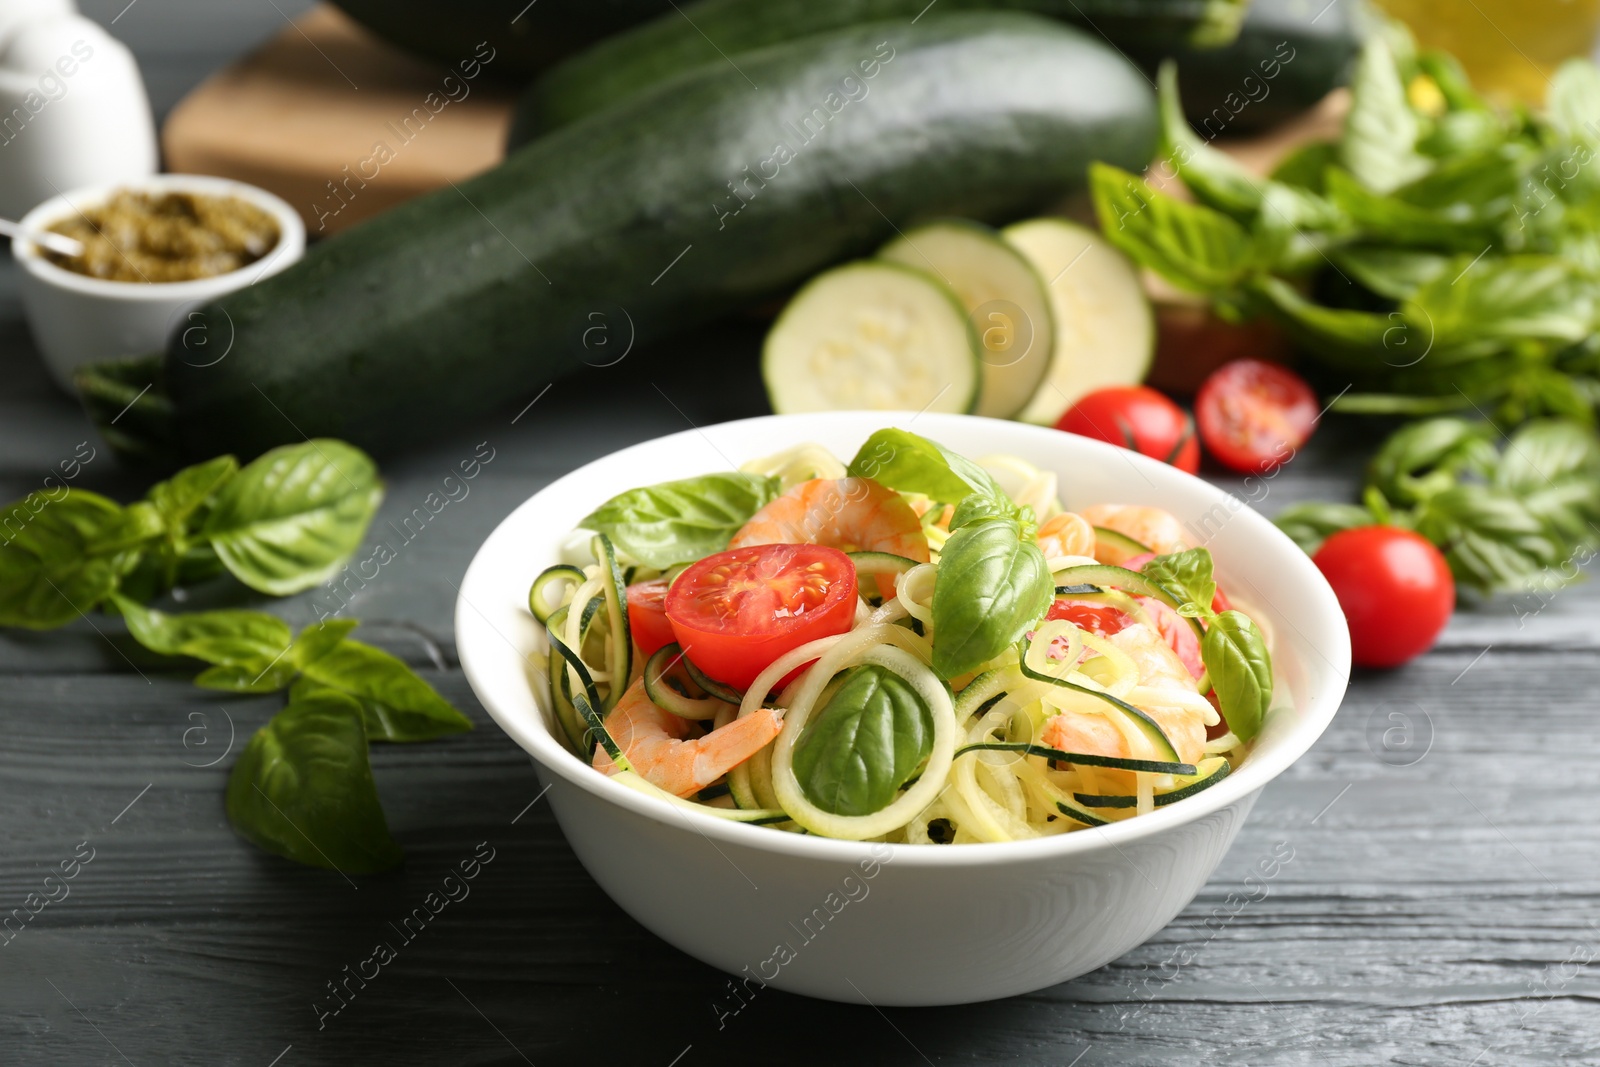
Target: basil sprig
[[1440, 254], [1233, 649], [280, 524], [1507, 521], [993, 580]]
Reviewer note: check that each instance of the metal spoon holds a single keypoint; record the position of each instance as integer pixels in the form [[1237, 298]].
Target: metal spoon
[[55, 242]]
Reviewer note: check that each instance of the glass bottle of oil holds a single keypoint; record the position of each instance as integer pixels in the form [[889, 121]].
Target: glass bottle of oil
[[1510, 48]]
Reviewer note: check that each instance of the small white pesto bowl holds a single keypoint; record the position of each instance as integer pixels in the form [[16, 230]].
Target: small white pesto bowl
[[76, 319], [900, 924]]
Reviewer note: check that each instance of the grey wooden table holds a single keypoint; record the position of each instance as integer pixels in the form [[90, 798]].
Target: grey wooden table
[[1441, 902]]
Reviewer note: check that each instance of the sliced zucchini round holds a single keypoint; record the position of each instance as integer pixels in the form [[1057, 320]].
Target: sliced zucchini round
[[1005, 299], [1105, 330], [876, 336], [539, 600]]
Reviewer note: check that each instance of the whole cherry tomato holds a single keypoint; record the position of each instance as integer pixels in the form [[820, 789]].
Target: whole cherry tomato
[[1137, 418], [1395, 589]]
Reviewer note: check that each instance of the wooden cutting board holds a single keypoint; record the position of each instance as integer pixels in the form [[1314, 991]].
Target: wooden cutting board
[[338, 123]]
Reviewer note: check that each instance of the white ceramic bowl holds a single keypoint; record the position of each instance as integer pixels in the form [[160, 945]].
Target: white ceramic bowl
[[76, 319], [905, 924]]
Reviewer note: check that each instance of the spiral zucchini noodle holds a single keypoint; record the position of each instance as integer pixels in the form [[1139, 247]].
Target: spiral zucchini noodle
[[821, 647]]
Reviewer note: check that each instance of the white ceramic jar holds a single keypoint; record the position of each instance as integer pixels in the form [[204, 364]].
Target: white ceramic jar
[[76, 319], [73, 108]]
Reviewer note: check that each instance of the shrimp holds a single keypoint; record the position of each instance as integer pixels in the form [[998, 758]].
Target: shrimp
[[1066, 534], [851, 514], [658, 744], [1154, 528], [1159, 668]]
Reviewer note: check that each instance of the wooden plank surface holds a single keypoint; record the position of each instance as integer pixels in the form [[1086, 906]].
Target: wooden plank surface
[[1440, 907]]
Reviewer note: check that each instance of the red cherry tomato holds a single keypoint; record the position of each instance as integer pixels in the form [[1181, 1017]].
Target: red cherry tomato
[[737, 611], [1395, 589], [1102, 619], [1254, 415], [1137, 418], [647, 615]]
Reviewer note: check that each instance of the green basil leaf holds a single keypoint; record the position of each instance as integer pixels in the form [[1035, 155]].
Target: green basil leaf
[[1553, 465], [396, 705], [1296, 229], [185, 493], [1236, 659], [319, 639], [291, 518], [992, 586], [1310, 524], [1214, 177], [865, 743], [51, 567], [1431, 456], [1388, 219], [1192, 246], [1188, 573], [1491, 540], [1380, 133], [246, 678], [1472, 310], [1451, 78], [1306, 167], [979, 507], [1396, 273], [1572, 101], [303, 789], [679, 522], [1356, 340], [233, 637], [908, 463]]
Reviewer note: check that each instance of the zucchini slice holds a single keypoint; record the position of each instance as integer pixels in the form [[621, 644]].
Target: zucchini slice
[[1006, 302], [1121, 544], [1085, 759], [1210, 771], [1109, 577], [872, 335], [538, 599], [725, 693], [667, 692], [619, 661], [881, 563], [1105, 329]]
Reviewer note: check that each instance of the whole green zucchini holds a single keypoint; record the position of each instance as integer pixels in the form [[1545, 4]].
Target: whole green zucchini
[[526, 37], [672, 208], [1289, 54], [680, 41]]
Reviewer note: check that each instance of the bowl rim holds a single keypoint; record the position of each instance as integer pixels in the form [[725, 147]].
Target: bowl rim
[[291, 239], [553, 757]]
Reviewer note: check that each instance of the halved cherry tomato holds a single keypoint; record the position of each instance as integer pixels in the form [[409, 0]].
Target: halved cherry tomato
[[1395, 588], [647, 615], [737, 611], [1102, 619], [1137, 418], [1255, 415]]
